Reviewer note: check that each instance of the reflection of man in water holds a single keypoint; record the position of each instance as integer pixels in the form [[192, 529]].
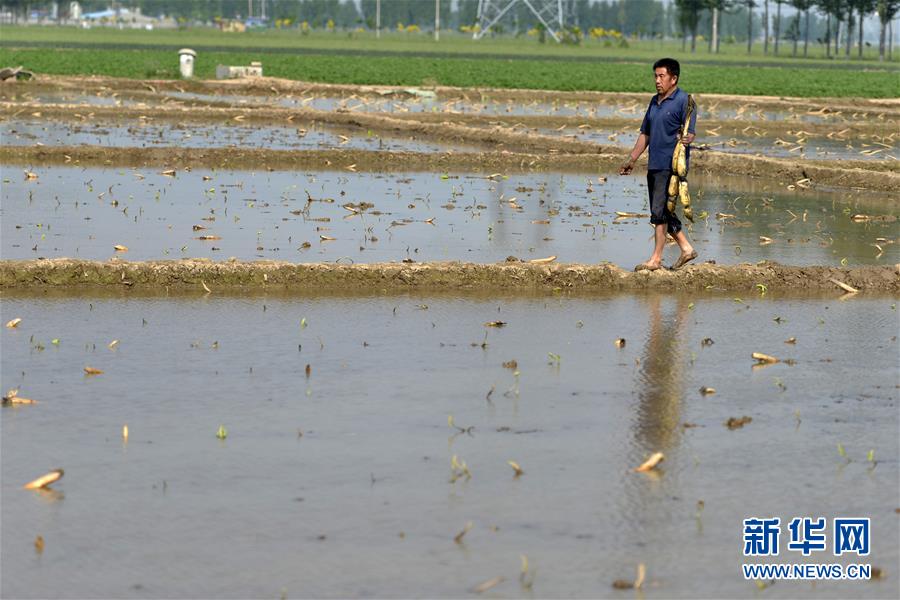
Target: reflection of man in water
[[661, 130], [661, 380]]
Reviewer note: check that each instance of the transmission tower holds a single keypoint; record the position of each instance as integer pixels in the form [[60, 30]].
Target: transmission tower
[[550, 13]]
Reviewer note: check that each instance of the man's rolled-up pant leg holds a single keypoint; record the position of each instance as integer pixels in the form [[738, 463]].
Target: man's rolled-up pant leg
[[657, 185]]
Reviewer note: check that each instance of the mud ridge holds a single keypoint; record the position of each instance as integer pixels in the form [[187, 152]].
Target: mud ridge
[[261, 112], [275, 86], [204, 274]]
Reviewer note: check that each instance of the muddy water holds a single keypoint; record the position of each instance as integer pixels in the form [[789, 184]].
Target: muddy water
[[361, 504], [479, 104], [310, 137], [410, 104], [142, 135], [813, 148], [83, 213], [77, 98]]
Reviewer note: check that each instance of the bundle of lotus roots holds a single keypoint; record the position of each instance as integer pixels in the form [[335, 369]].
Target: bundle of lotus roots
[[678, 185]]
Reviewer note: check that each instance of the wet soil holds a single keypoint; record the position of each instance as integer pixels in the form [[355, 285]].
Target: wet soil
[[276, 86], [868, 135], [395, 277]]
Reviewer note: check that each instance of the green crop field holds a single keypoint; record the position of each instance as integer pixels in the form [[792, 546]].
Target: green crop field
[[423, 43], [415, 59]]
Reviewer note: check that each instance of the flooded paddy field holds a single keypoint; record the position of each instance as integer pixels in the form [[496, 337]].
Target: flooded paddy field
[[271, 126], [143, 134], [804, 146], [328, 130], [461, 101], [410, 100], [333, 476], [283, 443], [328, 216]]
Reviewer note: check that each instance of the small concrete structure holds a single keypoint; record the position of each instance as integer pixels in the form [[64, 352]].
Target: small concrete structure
[[186, 57], [227, 72]]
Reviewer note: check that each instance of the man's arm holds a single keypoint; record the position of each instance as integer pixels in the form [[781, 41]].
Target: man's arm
[[639, 146]]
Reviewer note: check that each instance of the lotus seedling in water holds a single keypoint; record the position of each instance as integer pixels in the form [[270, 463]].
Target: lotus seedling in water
[[453, 425], [458, 468], [526, 581], [459, 536], [842, 452], [222, 433]]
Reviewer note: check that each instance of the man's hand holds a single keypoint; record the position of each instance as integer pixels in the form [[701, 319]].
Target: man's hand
[[626, 167], [686, 140]]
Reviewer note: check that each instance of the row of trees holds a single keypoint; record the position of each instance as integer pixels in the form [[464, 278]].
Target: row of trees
[[632, 17], [841, 18]]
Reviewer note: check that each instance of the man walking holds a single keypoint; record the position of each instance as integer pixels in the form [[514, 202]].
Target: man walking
[[661, 131]]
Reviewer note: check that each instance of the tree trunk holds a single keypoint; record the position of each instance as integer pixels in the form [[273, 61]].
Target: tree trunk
[[749, 27], [891, 39], [777, 27], [806, 35], [683, 40], [837, 36], [797, 36], [827, 35], [766, 28], [714, 38], [881, 41], [718, 31], [849, 40], [861, 19], [694, 39]]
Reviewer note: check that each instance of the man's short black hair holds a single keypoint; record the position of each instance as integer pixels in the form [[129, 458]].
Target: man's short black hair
[[671, 65]]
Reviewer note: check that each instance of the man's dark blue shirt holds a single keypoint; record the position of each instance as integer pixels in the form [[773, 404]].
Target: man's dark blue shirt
[[662, 123]]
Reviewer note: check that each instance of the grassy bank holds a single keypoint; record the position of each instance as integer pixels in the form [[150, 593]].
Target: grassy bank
[[457, 60], [466, 72]]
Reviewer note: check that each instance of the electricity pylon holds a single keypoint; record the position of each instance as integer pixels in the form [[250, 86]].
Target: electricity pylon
[[549, 12]]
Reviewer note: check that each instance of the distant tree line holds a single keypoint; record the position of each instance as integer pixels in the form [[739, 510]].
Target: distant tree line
[[833, 23], [631, 17]]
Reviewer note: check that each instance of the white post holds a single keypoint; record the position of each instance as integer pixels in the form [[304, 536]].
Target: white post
[[437, 20], [377, 19], [249, 8], [186, 58], [715, 30]]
